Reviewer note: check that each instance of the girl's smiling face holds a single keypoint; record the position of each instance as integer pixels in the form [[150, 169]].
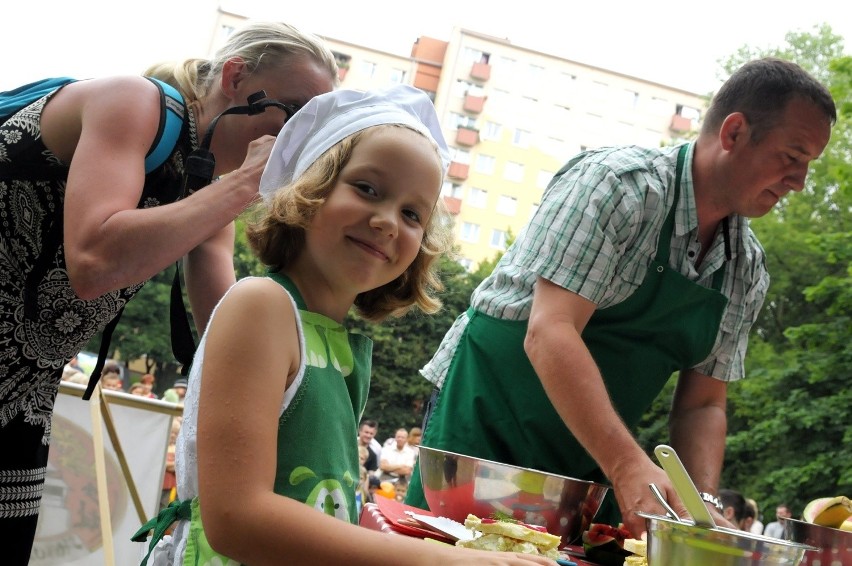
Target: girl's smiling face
[[369, 230]]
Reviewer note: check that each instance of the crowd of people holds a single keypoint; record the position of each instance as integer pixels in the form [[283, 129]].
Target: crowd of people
[[638, 263], [745, 513]]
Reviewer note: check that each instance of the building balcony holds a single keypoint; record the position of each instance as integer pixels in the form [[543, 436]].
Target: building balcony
[[467, 136], [480, 71], [680, 124], [473, 104], [458, 170], [453, 205]]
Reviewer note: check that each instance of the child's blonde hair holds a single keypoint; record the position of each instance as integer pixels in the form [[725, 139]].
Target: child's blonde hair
[[278, 236]]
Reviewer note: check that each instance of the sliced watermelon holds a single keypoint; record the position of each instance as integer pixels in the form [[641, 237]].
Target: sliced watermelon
[[604, 544]]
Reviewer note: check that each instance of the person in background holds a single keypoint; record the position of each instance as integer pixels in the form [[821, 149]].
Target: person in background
[[112, 381], [414, 436], [775, 529], [733, 506], [78, 154], [139, 390], [362, 494], [398, 458], [638, 263], [74, 376], [148, 381], [168, 492], [367, 437], [400, 487], [755, 526], [352, 217], [177, 392]]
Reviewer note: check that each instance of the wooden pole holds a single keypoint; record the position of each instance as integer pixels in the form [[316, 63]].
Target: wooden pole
[[100, 474], [122, 459]]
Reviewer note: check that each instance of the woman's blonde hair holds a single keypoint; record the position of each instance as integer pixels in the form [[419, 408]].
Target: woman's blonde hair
[[259, 45], [277, 236]]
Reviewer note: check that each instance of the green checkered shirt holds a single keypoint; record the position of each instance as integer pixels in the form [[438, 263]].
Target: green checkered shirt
[[595, 234]]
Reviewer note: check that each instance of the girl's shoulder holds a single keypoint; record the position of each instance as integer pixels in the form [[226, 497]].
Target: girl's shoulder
[[261, 290]]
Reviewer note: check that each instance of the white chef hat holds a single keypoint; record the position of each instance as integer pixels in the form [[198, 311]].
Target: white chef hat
[[329, 118]]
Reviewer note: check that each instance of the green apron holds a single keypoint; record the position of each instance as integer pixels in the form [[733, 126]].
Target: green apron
[[492, 404], [317, 449]]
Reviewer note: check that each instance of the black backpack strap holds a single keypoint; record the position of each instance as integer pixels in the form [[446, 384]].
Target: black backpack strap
[[183, 343], [106, 338]]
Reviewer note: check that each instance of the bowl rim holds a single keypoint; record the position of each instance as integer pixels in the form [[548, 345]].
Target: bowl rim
[[520, 468], [726, 531], [807, 524]]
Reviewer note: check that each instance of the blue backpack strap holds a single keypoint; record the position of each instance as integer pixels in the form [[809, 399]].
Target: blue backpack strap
[[13, 100], [172, 115]]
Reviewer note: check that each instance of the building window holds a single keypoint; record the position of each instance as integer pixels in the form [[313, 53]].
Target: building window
[[544, 177], [225, 32], [514, 171], [491, 131], [507, 205], [397, 76], [500, 96], [505, 64], [660, 106], [367, 69], [471, 55], [567, 81], [455, 121], [535, 72], [554, 146], [485, 164], [600, 92], [466, 263], [629, 98], [469, 232], [694, 114], [450, 189], [478, 198], [459, 155], [521, 138], [498, 239]]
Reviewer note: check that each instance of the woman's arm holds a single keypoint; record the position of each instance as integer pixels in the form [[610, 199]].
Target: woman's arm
[[109, 243]]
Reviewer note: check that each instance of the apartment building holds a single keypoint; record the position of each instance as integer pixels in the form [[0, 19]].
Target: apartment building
[[512, 116]]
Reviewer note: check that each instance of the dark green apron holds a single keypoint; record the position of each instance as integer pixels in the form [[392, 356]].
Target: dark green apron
[[492, 404]]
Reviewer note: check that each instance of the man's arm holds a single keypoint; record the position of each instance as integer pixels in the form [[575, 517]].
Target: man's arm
[[697, 428], [579, 395]]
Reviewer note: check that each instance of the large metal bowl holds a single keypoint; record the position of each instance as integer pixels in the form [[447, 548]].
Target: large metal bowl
[[456, 485], [676, 543], [835, 546]]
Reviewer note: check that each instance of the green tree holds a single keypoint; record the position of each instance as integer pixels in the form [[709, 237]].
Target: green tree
[[401, 346]]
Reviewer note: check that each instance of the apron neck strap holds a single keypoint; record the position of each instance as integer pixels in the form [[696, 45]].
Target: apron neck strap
[[664, 243]]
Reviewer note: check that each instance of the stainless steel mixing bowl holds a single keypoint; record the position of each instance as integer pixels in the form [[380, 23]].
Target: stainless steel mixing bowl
[[456, 485], [835, 546], [676, 543]]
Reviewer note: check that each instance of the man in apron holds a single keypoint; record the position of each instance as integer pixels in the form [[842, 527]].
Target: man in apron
[[638, 263]]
